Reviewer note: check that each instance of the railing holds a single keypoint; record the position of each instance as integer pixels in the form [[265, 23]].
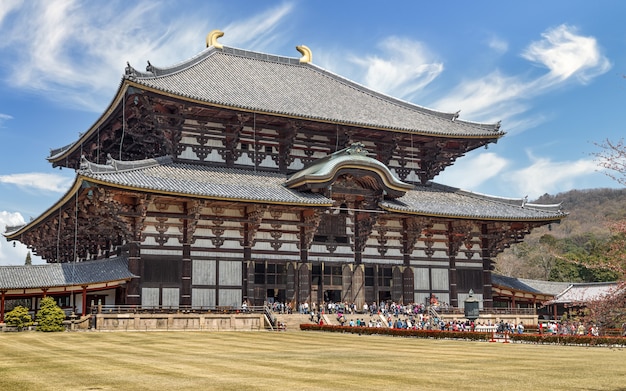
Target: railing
[[269, 315], [489, 311]]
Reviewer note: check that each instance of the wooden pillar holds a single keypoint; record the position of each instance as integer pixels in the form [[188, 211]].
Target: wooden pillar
[[2, 297], [133, 296], [452, 251], [185, 294], [486, 256], [84, 301]]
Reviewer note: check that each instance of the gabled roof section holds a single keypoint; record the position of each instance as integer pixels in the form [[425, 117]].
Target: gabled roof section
[[163, 176], [285, 86], [323, 171], [64, 274], [444, 201]]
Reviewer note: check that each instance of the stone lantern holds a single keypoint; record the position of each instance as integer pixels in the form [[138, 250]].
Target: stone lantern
[[472, 307]]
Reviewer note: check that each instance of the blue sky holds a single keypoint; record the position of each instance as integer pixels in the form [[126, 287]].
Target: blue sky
[[551, 71]]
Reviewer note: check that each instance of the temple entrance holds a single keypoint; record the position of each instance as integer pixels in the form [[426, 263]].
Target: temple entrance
[[275, 295], [332, 295], [384, 296]]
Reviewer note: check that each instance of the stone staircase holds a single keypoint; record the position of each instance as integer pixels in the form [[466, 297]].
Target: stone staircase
[[293, 321]]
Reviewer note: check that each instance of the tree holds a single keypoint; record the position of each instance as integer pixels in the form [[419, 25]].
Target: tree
[[612, 157], [610, 310], [18, 317], [28, 261], [50, 316]]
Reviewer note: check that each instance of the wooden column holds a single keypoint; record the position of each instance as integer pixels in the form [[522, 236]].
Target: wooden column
[[133, 296], [452, 251], [84, 301], [2, 297], [486, 256]]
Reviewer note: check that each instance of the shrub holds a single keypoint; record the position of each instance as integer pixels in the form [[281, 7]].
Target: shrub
[[50, 316], [18, 317]]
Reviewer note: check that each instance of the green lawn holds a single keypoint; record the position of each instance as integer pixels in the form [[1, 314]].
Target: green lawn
[[295, 361]]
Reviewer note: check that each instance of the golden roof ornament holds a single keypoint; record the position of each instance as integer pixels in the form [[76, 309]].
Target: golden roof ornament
[[307, 55], [211, 39]]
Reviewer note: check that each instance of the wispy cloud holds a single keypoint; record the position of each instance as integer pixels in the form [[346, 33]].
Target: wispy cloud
[[6, 6], [3, 118], [87, 39], [474, 171], [542, 175], [498, 44], [406, 68], [38, 181], [567, 55], [547, 176], [259, 31]]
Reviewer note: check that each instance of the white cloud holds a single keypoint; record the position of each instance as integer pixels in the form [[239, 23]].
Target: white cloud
[[38, 181], [6, 6], [10, 254], [481, 172], [498, 44], [56, 48], [407, 67], [258, 31], [4, 117], [495, 96], [473, 171], [546, 176], [567, 55]]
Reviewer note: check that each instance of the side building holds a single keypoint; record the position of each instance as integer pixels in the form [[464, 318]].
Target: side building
[[242, 176]]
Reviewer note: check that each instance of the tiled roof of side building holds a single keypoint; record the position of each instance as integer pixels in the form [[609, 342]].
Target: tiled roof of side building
[[283, 86], [512, 283], [439, 200], [64, 274], [585, 292], [548, 287]]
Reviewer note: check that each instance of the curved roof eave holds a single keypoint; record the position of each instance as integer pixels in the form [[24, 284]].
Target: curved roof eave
[[475, 217], [187, 98], [68, 149], [66, 197]]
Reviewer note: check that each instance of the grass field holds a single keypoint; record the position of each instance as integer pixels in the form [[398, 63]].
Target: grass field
[[296, 361]]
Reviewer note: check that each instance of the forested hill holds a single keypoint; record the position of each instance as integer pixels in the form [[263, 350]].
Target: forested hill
[[589, 210], [582, 236]]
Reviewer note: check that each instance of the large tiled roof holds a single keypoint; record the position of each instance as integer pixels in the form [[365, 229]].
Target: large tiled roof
[[439, 200], [266, 83], [163, 175], [64, 274]]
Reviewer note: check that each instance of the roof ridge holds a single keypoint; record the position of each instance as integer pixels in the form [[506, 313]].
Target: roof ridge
[[114, 165]]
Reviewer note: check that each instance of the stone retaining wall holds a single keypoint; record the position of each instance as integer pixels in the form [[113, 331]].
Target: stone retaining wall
[[164, 322]]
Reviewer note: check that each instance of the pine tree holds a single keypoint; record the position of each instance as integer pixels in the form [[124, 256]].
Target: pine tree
[[29, 261], [18, 317], [50, 316]]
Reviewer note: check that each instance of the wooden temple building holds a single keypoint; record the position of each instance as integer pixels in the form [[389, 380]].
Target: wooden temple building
[[243, 176]]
